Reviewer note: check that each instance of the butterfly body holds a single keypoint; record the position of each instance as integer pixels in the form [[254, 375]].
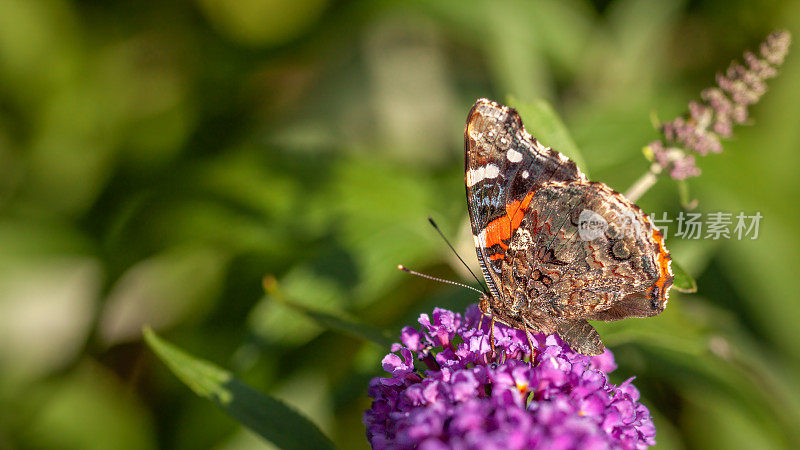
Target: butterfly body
[[555, 249]]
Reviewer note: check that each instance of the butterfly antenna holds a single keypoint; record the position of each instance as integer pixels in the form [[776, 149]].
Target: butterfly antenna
[[436, 227], [413, 272]]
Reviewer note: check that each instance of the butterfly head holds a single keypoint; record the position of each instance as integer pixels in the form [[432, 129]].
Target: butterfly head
[[483, 304], [491, 305]]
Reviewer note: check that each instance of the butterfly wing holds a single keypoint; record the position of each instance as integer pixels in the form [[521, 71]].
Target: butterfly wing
[[583, 252], [504, 166]]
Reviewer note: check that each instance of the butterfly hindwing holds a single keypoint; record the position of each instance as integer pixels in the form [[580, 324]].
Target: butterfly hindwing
[[583, 249]]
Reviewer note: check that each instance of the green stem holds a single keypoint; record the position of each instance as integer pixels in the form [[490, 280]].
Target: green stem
[[643, 184]]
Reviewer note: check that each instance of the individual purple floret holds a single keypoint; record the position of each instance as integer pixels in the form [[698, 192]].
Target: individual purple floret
[[722, 106], [448, 389]]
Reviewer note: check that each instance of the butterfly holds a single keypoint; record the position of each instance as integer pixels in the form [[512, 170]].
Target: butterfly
[[555, 249]]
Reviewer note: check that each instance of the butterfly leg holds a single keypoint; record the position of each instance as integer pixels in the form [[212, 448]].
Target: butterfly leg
[[530, 342], [491, 336]]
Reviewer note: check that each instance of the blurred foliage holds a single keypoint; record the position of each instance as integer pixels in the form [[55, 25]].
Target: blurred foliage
[[158, 159], [268, 417]]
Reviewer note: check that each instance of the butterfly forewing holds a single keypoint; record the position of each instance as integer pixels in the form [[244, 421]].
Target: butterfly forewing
[[504, 165]]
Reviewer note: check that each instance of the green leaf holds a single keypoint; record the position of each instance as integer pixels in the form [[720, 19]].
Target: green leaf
[[345, 324], [683, 282], [267, 416], [542, 121], [335, 320]]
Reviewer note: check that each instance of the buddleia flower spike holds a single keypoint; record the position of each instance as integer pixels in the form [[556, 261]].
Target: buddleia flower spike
[[707, 122]]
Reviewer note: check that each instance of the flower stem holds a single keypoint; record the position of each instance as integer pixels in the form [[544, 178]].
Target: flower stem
[[643, 184]]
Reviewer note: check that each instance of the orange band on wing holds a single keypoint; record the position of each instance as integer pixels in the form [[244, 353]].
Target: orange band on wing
[[502, 228], [663, 264]]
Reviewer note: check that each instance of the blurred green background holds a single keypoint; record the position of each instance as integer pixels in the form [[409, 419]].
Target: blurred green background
[[158, 159]]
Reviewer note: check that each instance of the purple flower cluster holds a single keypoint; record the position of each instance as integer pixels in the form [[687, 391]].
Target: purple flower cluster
[[448, 389], [723, 106]]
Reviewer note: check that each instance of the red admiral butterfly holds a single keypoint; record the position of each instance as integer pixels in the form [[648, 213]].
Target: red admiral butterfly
[[555, 249]]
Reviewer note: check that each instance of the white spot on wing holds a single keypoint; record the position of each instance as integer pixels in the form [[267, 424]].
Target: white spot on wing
[[475, 176], [513, 155], [480, 239], [525, 174]]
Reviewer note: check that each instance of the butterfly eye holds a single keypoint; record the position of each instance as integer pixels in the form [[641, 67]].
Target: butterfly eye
[[620, 250], [575, 216], [613, 231], [655, 296]]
